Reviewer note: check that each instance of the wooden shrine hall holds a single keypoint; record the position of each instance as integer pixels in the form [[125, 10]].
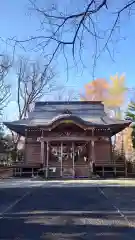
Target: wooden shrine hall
[[69, 139]]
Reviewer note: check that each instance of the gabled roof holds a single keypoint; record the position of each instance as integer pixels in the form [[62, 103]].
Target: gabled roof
[[85, 114], [49, 110]]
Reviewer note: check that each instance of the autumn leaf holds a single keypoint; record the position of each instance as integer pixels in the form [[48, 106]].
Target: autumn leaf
[[128, 139], [117, 90], [112, 93], [96, 90]]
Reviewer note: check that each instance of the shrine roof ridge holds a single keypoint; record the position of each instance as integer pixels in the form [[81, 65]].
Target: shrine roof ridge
[[43, 103]]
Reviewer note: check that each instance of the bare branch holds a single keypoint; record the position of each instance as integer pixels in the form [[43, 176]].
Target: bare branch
[[5, 93], [61, 29], [65, 94], [32, 85]]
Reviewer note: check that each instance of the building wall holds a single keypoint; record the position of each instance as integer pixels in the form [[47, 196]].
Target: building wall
[[32, 153], [102, 152]]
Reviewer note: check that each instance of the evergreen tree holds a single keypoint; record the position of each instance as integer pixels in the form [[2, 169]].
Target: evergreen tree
[[130, 114], [2, 141]]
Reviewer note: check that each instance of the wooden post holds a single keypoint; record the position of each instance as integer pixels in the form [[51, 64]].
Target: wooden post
[[92, 153], [15, 171], [125, 165], [89, 151], [61, 159], [111, 153], [115, 171], [90, 158], [42, 152], [126, 173], [20, 171], [26, 147], [123, 155], [47, 159], [41, 139], [103, 172], [111, 157], [73, 158], [93, 146], [32, 173]]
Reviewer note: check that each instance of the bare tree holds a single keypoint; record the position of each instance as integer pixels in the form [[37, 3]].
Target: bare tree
[[77, 26], [32, 84], [65, 94], [5, 93]]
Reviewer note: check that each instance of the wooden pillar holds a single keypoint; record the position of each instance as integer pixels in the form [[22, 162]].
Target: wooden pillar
[[90, 158], [89, 151], [93, 146], [47, 159], [123, 155], [103, 171], [126, 172], [20, 170], [111, 153], [42, 152], [32, 173], [111, 156], [26, 146], [73, 158], [15, 171], [61, 159], [125, 164], [42, 149]]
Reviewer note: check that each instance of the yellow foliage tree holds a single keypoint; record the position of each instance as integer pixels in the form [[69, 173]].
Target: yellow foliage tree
[[112, 93], [116, 93], [128, 146], [125, 138]]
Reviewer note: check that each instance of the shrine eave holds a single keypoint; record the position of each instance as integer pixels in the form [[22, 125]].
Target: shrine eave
[[105, 123], [17, 128]]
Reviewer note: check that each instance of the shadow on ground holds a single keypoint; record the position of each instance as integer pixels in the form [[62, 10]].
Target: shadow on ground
[[122, 197], [66, 213], [63, 227]]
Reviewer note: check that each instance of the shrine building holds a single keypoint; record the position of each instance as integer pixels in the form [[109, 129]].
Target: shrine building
[[69, 139]]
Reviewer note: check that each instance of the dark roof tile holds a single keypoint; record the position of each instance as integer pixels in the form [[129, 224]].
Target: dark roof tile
[[45, 113]]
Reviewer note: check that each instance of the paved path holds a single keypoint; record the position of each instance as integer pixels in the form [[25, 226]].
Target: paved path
[[33, 211]]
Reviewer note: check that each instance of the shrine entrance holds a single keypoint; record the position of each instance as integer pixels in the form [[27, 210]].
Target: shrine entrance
[[69, 159]]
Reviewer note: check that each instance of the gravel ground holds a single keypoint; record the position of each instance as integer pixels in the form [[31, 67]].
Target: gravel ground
[[31, 211]]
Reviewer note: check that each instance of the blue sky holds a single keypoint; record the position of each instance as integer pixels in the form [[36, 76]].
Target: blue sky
[[16, 21]]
